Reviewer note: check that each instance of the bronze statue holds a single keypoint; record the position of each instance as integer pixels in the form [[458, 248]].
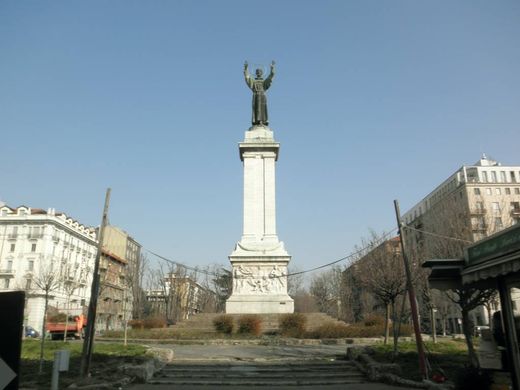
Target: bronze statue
[[258, 85]]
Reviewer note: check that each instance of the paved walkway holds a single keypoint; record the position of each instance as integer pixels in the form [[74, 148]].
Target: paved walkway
[[254, 352]]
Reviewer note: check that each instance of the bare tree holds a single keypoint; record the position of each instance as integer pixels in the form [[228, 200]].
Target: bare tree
[[69, 284], [381, 272], [325, 288], [135, 275], [450, 229], [47, 280], [223, 286], [468, 299], [295, 281]]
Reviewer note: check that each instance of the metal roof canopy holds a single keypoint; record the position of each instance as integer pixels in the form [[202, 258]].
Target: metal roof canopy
[[446, 273]]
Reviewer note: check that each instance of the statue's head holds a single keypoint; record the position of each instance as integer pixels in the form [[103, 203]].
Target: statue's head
[[259, 73]]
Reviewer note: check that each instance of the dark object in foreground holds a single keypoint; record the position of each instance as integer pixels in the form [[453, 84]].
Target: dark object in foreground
[[471, 378]]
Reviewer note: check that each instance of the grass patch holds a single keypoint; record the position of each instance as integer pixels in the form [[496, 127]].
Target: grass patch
[[106, 358], [450, 355]]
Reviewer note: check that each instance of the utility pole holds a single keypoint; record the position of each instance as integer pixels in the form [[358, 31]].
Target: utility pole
[[411, 296], [88, 342]]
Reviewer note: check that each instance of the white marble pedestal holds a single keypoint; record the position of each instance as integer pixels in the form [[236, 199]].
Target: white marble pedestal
[[259, 260]]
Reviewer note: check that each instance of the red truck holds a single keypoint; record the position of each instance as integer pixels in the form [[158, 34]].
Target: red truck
[[74, 328]]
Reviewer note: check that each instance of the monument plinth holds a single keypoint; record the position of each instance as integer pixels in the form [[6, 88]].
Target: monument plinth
[[259, 260]]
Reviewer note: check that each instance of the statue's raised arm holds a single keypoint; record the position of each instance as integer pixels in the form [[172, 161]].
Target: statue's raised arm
[[269, 79], [247, 76]]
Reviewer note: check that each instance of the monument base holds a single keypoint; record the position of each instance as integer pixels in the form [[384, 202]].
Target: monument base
[[259, 304]]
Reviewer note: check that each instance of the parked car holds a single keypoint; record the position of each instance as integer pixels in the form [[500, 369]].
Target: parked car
[[479, 329], [31, 332]]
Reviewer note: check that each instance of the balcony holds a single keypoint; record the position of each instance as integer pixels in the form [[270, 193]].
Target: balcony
[[515, 212], [8, 272], [33, 236], [478, 211]]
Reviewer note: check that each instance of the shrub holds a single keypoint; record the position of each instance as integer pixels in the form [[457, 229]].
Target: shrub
[[292, 325], [136, 324], [374, 320], [405, 330], [331, 330], [154, 322], [223, 324], [250, 324]]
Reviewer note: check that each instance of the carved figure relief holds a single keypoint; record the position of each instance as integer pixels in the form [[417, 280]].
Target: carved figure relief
[[259, 280]]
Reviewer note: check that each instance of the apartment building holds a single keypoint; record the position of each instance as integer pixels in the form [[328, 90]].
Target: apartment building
[[119, 258], [44, 246], [176, 297], [474, 202], [484, 196]]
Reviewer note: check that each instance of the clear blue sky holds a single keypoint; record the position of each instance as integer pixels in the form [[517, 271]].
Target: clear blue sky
[[372, 101]]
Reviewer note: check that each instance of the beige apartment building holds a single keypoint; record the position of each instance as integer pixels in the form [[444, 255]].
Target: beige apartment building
[[119, 257], [474, 202], [485, 197]]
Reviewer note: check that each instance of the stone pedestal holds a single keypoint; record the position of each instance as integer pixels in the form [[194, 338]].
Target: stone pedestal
[[259, 260]]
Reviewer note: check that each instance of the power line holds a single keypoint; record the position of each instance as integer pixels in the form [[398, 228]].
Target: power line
[[184, 265], [350, 255], [437, 235]]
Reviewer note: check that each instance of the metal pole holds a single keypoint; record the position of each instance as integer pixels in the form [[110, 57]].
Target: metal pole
[[88, 342], [55, 380], [411, 296]]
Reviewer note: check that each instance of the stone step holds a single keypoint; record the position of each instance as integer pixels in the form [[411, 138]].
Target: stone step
[[259, 374]]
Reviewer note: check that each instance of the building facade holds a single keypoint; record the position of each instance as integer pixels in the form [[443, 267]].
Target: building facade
[[39, 247], [473, 203], [176, 298], [486, 196], [119, 259]]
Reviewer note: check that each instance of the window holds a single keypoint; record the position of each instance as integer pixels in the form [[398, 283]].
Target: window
[[476, 191], [498, 191], [508, 191], [35, 232], [517, 191], [10, 265], [6, 282], [488, 191], [28, 284], [503, 176], [33, 247], [495, 206], [14, 232], [513, 178], [479, 206], [498, 223], [30, 265], [484, 176], [494, 177], [515, 207]]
